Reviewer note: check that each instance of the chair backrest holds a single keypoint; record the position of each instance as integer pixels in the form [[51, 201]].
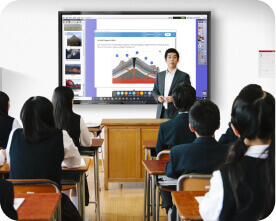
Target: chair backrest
[[194, 182], [34, 185], [163, 155]]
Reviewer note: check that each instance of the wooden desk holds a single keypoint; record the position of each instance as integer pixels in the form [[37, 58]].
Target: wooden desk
[[38, 206], [186, 204], [80, 185], [123, 148], [153, 168], [96, 130], [4, 169]]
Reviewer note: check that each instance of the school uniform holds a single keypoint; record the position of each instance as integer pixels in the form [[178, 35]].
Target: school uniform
[[43, 160], [7, 125], [219, 202], [204, 155], [6, 199], [174, 132], [228, 137]]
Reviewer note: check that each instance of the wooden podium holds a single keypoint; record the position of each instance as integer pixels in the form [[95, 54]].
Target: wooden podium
[[123, 148]]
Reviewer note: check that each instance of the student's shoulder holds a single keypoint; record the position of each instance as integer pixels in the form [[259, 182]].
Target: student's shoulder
[[182, 148]]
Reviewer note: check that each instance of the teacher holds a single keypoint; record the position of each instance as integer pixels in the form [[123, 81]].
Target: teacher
[[164, 84]]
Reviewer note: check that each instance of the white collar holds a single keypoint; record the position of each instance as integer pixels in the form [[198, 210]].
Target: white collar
[[257, 151], [172, 73]]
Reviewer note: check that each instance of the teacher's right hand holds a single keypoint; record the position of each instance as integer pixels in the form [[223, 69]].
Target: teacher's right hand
[[161, 99]]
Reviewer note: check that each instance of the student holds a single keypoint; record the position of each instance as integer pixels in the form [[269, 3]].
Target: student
[[244, 188], [6, 200], [164, 84], [66, 119], [7, 123], [205, 154], [177, 131], [37, 150]]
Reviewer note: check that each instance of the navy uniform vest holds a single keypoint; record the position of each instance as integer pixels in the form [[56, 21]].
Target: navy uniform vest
[[36, 161], [74, 129], [5, 129], [251, 193]]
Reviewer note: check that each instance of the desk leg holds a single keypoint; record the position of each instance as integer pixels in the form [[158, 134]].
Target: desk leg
[[153, 198], [97, 195], [148, 197], [81, 195], [157, 201], [145, 196]]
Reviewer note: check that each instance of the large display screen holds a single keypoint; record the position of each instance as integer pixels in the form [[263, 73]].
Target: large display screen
[[114, 57]]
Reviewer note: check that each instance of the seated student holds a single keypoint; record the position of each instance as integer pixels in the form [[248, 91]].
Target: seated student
[[229, 137], [6, 200], [7, 123], [66, 119], [37, 150], [177, 131], [244, 188], [205, 154]]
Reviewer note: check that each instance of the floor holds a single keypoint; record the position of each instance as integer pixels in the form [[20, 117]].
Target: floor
[[123, 201]]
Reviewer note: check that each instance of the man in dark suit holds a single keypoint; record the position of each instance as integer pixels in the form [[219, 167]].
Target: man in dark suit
[[176, 131], [205, 154], [164, 84]]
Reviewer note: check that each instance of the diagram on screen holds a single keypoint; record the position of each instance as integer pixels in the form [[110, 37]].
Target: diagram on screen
[[135, 68]]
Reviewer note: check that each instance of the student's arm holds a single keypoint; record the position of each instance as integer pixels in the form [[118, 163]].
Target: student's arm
[[210, 207], [2, 157], [170, 169], [85, 135], [160, 144], [9, 146], [72, 156]]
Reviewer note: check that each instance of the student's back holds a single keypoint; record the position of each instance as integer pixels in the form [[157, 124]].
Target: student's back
[[40, 160], [176, 131], [7, 123]]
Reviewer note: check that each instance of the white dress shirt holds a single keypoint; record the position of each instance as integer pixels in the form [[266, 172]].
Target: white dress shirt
[[15, 124], [168, 83], [72, 156], [211, 206], [85, 135]]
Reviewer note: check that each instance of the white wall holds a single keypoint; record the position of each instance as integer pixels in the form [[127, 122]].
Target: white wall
[[29, 49]]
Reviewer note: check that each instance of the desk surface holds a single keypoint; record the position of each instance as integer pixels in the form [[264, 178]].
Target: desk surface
[[155, 167], [37, 206], [149, 144], [186, 204], [79, 169], [95, 129]]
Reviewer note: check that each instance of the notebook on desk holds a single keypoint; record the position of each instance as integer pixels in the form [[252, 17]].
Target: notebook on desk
[[82, 164], [17, 202]]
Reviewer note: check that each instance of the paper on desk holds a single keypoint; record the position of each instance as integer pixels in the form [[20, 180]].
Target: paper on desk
[[17, 202], [163, 180], [82, 164], [199, 198]]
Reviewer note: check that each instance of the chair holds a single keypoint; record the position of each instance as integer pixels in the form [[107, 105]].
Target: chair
[[193, 182], [37, 186], [163, 155]]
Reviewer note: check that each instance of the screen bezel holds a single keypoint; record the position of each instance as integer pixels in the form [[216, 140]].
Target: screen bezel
[[208, 13]]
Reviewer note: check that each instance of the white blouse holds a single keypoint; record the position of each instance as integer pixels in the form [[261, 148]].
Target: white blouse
[[72, 156], [211, 206], [85, 135]]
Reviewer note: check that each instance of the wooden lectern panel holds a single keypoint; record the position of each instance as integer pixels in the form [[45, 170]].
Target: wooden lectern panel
[[122, 153]]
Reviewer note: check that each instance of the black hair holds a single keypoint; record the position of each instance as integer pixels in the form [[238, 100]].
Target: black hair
[[184, 96], [37, 119], [4, 106], [172, 50], [63, 107], [253, 116], [204, 117]]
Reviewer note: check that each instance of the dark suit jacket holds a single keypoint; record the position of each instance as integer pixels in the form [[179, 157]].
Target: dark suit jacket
[[229, 137], [204, 155], [159, 87], [6, 199], [174, 132]]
